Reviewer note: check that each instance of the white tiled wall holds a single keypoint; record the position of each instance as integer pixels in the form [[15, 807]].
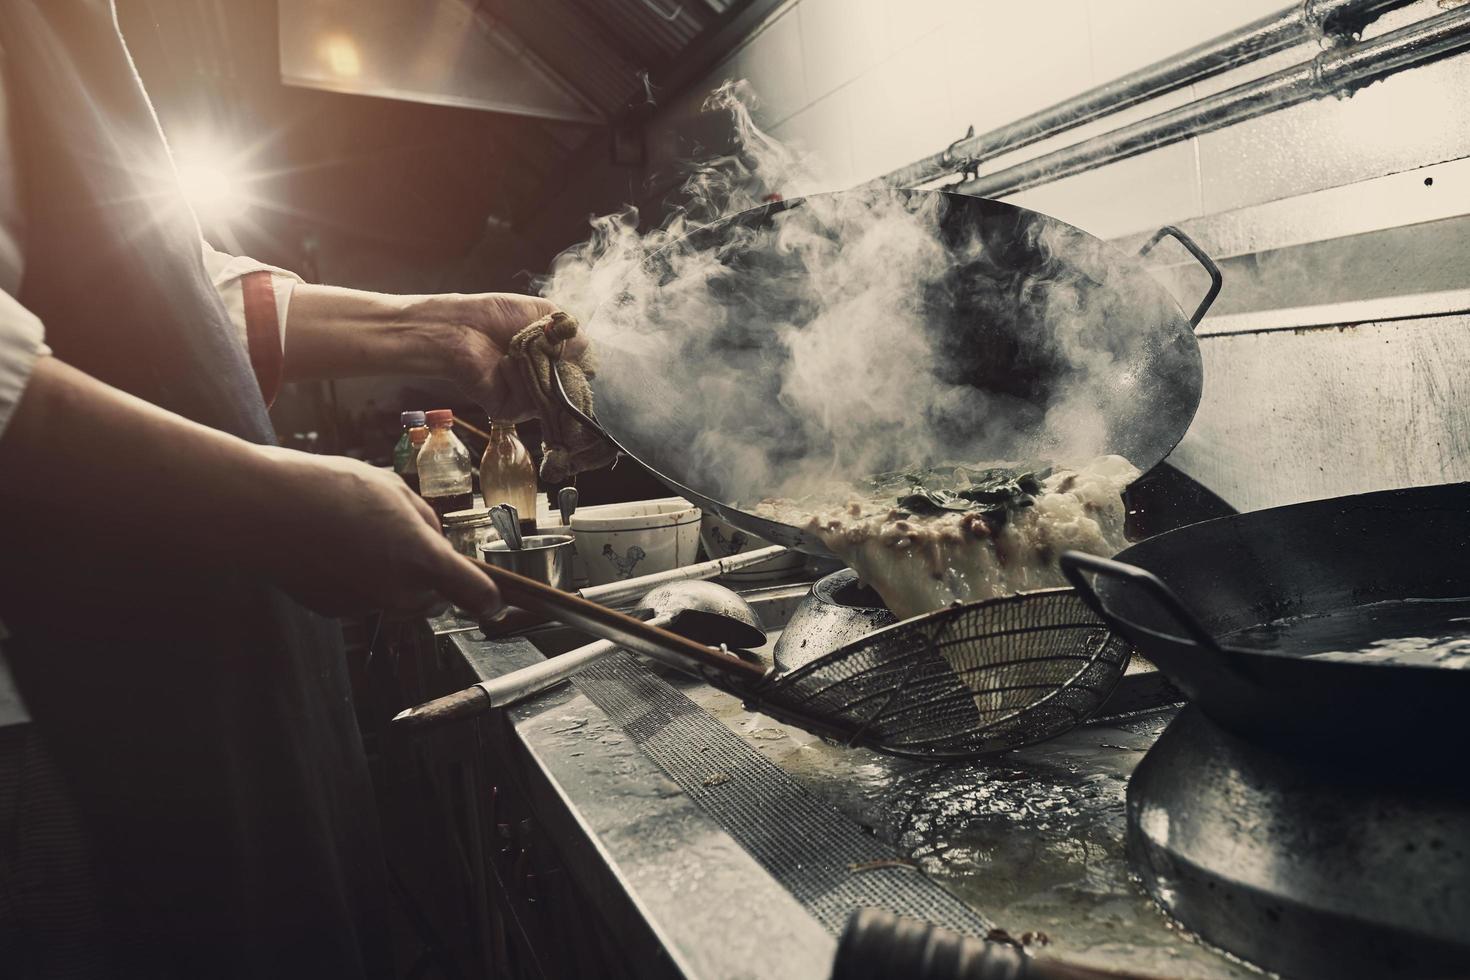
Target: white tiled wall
[[870, 85], [996, 73], [840, 39], [776, 54]]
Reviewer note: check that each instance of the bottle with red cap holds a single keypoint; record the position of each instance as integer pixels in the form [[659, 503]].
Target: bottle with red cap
[[445, 468]]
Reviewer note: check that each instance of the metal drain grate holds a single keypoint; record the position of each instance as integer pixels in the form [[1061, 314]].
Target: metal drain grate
[[770, 814]]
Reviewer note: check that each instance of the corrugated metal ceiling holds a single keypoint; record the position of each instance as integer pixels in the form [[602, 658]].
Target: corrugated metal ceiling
[[604, 49], [587, 61]]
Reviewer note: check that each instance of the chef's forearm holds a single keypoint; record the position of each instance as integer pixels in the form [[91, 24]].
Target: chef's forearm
[[161, 476], [171, 496], [332, 332]]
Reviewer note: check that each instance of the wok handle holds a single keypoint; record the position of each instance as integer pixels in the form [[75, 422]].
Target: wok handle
[[507, 689], [1216, 279], [500, 692], [1076, 564], [441, 711]]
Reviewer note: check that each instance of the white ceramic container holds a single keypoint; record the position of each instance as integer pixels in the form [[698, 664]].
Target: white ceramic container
[[619, 541], [721, 541]]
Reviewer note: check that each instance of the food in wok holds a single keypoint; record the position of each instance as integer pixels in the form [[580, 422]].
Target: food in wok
[[952, 534]]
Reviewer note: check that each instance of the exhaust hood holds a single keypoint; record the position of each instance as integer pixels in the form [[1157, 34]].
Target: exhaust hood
[[444, 52]]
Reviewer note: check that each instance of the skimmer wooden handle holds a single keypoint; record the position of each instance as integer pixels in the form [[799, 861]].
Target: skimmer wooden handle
[[624, 630]]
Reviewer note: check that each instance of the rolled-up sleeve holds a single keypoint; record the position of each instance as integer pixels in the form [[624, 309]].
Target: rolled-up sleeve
[[257, 297], [22, 340]]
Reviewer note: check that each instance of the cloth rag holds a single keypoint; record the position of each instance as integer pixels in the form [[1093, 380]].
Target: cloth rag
[[568, 445]]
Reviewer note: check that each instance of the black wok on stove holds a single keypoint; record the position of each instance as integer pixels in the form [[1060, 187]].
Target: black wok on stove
[[1309, 810], [1005, 356], [1391, 565]]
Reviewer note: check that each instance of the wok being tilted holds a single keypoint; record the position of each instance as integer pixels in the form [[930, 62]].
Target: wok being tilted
[[732, 377]]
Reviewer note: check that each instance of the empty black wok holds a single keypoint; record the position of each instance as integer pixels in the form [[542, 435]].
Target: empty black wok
[[1005, 342], [1276, 623]]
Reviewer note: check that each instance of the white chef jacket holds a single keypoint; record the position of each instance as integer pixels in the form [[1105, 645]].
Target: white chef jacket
[[23, 336]]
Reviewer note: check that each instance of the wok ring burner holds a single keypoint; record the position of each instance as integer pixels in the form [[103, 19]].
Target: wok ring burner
[[1305, 865]]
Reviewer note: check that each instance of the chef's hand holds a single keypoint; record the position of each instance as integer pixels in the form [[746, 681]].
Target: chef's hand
[[476, 360], [334, 332], [337, 534], [351, 538]]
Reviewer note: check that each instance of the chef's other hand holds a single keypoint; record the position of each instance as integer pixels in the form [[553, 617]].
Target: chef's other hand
[[516, 381], [334, 332], [479, 364], [499, 347], [344, 537]]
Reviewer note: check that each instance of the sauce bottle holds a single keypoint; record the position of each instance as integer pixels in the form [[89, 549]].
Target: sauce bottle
[[406, 453], [507, 475], [445, 471]]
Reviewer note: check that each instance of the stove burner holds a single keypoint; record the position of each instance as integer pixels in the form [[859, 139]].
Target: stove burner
[[1306, 866], [844, 589]]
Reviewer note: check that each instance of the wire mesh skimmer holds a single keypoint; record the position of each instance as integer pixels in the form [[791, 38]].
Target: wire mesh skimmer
[[960, 682], [953, 684]]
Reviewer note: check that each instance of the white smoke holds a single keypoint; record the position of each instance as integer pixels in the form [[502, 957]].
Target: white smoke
[[805, 353]]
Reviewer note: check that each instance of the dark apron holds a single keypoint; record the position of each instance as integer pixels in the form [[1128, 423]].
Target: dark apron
[[205, 732]]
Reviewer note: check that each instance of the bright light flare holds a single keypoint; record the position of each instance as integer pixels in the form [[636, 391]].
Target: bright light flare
[[214, 181], [339, 53]]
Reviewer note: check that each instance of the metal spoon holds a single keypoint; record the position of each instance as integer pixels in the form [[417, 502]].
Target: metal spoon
[[566, 502], [700, 611], [508, 522]]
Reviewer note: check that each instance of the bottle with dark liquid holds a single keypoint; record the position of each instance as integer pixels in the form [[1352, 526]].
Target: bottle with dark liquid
[[445, 469], [507, 475], [406, 453]]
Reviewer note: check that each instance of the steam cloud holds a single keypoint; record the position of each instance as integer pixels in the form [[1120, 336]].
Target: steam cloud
[[860, 332]]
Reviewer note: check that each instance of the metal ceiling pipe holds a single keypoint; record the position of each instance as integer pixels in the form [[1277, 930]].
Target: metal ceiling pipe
[[1338, 71], [1304, 21]]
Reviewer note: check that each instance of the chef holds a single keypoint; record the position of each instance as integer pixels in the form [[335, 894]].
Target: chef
[[183, 790]]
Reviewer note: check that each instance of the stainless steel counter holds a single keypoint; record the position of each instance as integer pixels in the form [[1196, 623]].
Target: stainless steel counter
[[1033, 841]]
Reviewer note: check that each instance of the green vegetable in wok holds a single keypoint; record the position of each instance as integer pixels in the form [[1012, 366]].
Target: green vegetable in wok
[[994, 492]]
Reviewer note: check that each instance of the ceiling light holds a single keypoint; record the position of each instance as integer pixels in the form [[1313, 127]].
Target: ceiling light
[[340, 55]]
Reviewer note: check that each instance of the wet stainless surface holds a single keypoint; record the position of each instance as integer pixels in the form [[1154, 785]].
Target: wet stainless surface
[[1033, 840], [652, 860]]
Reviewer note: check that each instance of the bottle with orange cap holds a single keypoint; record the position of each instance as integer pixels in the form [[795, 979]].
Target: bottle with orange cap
[[446, 478]]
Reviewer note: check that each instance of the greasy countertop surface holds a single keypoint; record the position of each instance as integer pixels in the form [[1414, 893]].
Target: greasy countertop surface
[[1033, 839]]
